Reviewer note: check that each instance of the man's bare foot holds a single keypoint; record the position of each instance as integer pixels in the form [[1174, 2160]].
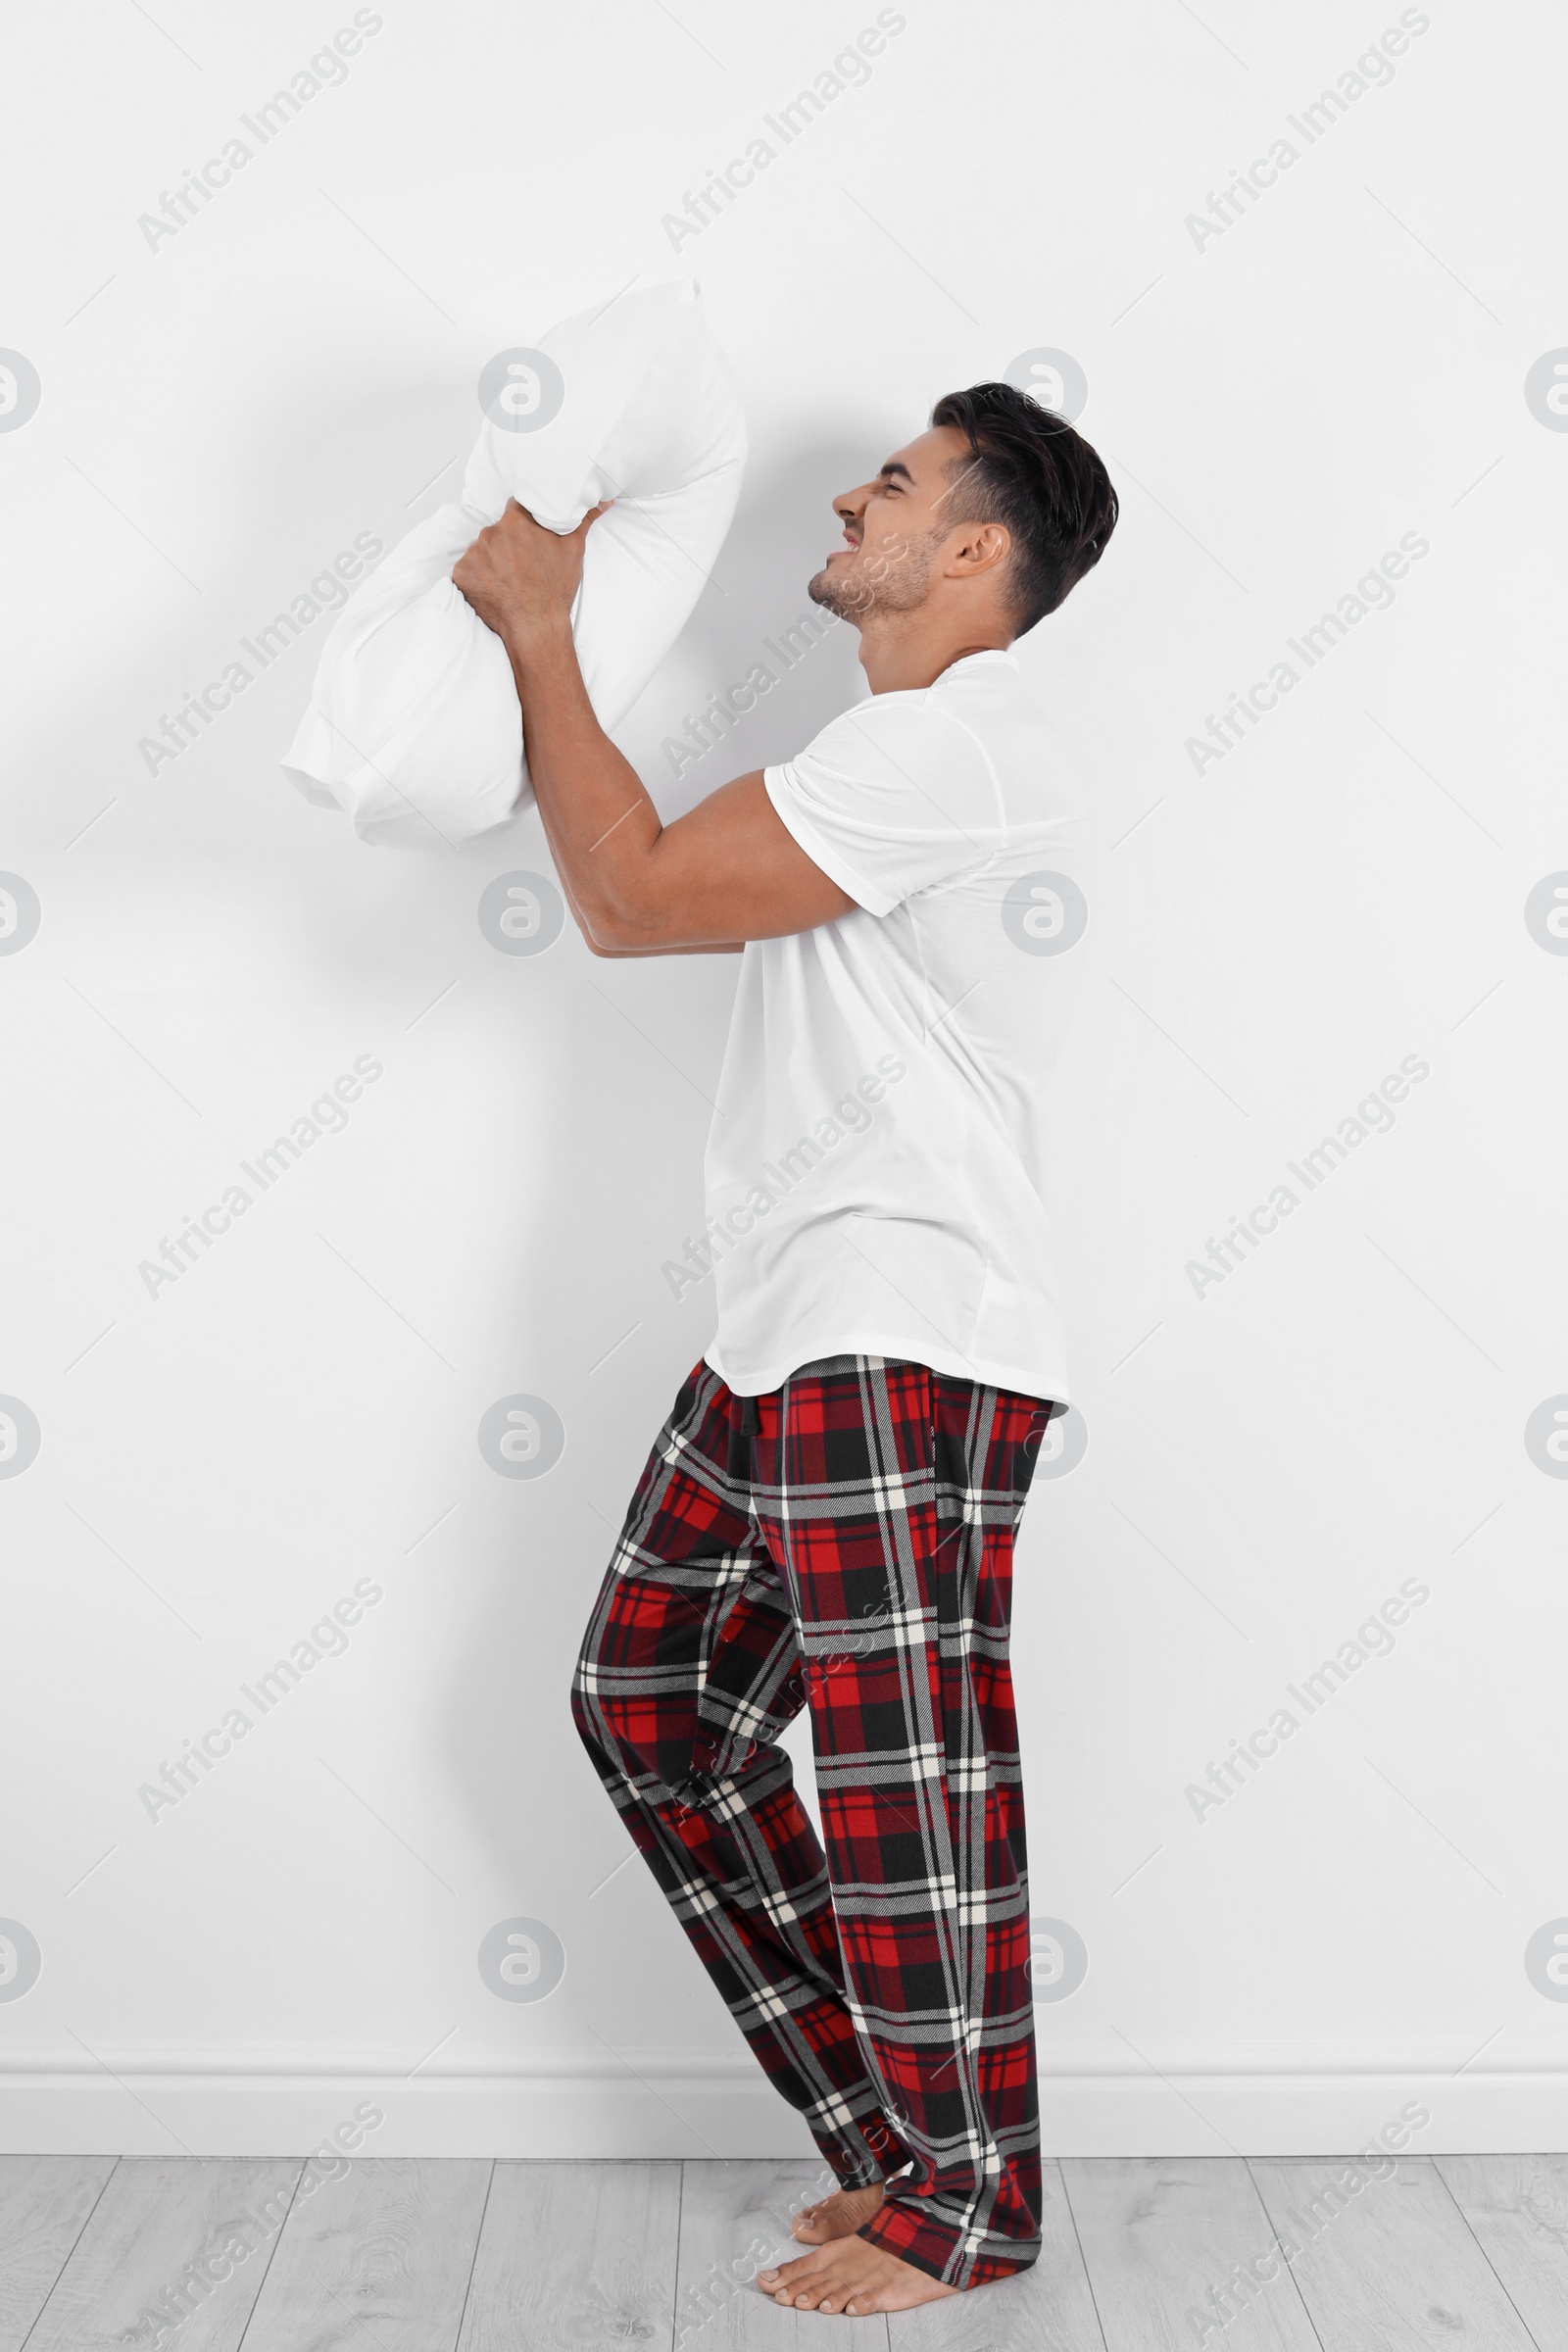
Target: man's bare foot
[[837, 2216], [851, 2276]]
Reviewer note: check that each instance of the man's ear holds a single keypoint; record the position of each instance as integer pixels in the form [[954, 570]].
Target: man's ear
[[983, 547]]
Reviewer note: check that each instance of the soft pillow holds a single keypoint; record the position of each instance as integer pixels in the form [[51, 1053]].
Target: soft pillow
[[414, 726]]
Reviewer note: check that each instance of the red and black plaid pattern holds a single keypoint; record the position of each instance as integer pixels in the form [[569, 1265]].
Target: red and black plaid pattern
[[860, 1563]]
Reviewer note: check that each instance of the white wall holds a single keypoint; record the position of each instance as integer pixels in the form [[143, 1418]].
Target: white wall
[[1267, 1461]]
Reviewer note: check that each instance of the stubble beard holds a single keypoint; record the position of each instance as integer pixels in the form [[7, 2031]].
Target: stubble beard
[[894, 580]]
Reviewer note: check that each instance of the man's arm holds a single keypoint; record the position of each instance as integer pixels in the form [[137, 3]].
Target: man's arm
[[726, 947], [728, 871]]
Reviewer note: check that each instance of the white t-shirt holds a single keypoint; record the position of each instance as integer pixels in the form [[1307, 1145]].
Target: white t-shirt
[[873, 1170]]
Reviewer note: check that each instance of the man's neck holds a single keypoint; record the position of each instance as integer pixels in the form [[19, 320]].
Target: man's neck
[[895, 662]]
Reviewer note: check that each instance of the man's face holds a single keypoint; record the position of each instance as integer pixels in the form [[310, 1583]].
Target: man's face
[[895, 529]]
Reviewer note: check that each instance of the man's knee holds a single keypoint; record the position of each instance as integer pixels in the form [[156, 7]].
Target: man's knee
[[588, 1714], [635, 1742], [618, 1724]]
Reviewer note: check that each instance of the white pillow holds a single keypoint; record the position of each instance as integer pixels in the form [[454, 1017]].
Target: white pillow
[[414, 726]]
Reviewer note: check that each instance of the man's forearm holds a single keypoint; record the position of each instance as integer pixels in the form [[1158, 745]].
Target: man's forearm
[[598, 817]]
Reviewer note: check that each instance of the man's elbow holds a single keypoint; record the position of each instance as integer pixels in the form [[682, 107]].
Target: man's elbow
[[616, 935], [608, 933], [597, 929], [621, 925], [626, 907]]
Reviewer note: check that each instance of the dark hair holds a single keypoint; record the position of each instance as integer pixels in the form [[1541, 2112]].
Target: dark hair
[[1032, 474]]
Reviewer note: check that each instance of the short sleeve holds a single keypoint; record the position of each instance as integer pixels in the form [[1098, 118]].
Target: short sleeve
[[892, 797]]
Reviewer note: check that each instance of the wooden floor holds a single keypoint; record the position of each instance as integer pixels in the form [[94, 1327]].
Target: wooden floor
[[420, 2255]]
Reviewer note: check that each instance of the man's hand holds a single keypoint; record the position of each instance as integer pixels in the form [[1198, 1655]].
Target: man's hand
[[521, 578]]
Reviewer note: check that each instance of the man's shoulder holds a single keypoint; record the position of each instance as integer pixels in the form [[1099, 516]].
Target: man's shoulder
[[1021, 742], [907, 725], [974, 735]]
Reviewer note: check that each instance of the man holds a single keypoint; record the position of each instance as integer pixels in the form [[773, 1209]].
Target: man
[[827, 1518]]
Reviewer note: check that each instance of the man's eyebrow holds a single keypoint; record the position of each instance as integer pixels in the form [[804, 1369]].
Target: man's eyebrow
[[894, 465]]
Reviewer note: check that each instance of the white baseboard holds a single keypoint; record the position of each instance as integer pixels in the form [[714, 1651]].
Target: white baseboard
[[675, 2104]]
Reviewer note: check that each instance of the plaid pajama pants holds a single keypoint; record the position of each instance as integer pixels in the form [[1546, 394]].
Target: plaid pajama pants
[[845, 1545]]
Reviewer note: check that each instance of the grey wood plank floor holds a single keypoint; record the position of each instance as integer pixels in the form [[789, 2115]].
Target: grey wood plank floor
[[1159, 2236], [383, 2256], [1397, 2266], [575, 2254], [1518, 2208], [426, 2255], [138, 2262], [1156, 2236], [44, 2205]]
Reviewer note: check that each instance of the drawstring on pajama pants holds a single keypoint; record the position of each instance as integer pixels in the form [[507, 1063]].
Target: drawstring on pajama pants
[[741, 1434]]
